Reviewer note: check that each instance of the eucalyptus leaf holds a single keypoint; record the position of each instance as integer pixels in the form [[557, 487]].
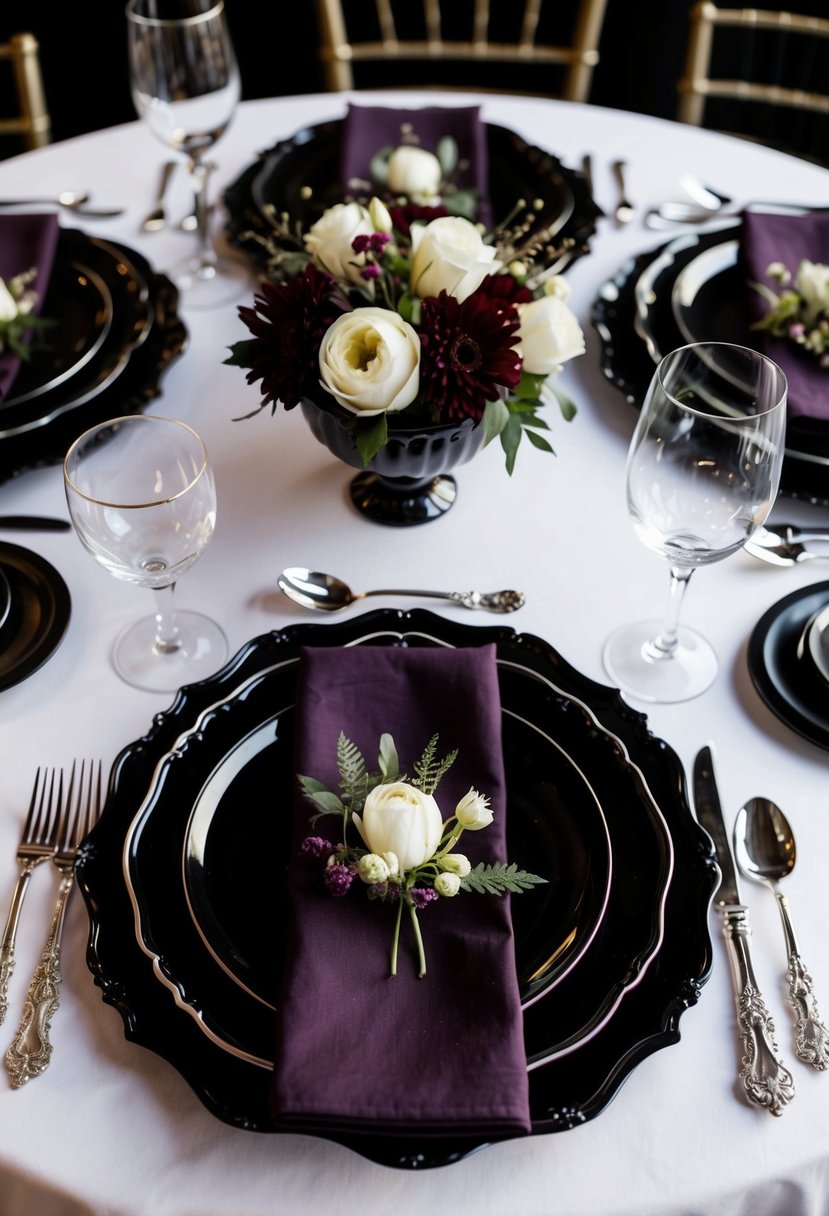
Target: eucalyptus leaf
[[388, 761], [371, 438], [538, 441], [510, 439], [496, 417], [447, 154]]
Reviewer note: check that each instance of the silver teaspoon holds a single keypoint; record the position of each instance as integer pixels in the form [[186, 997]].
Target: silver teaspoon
[[157, 218], [312, 589], [764, 846], [71, 200]]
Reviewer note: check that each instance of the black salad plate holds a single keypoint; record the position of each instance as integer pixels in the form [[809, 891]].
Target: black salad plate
[[182, 913], [792, 687], [38, 609], [301, 175], [692, 289], [118, 332]]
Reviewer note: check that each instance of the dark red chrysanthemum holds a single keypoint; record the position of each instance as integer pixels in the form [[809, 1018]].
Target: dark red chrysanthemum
[[505, 287], [288, 321], [466, 353], [403, 217]]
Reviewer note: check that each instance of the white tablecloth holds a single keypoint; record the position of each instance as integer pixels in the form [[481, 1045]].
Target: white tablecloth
[[111, 1128]]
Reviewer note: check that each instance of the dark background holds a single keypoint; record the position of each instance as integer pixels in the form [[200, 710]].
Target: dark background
[[84, 62]]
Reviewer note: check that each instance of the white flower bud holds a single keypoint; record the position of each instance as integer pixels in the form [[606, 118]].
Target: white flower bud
[[379, 215], [447, 884], [414, 171], [372, 868], [455, 863], [558, 287], [473, 811]]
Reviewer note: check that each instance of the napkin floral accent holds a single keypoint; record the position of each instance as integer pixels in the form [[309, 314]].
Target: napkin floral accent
[[399, 303], [18, 301], [800, 310], [409, 856]]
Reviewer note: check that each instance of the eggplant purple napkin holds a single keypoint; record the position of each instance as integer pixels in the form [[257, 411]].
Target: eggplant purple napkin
[[768, 238], [26, 241], [358, 1050], [368, 129]]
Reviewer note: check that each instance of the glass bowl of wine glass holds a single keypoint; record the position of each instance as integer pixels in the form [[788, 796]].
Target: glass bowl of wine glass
[[142, 499]]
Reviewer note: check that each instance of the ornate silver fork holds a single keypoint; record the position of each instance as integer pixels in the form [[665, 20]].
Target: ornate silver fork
[[30, 1052], [37, 843]]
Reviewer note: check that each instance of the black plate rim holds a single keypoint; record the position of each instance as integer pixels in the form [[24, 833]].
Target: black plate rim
[[55, 600]]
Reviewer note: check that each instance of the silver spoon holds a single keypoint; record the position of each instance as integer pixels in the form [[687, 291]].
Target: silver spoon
[[764, 846], [312, 589], [71, 200], [625, 211], [157, 218], [704, 196]]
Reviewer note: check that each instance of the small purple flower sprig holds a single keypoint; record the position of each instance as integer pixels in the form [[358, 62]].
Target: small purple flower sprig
[[799, 312], [409, 856]]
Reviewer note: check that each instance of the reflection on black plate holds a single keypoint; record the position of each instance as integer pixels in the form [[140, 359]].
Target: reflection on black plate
[[5, 600], [791, 686], [691, 288], [121, 350], [652, 955], [38, 613], [310, 159]]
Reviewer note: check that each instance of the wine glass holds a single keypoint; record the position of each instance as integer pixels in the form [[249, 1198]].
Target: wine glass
[[703, 471], [185, 84], [142, 500]]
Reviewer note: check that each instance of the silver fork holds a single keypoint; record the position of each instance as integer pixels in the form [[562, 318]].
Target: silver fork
[[37, 843], [30, 1052]]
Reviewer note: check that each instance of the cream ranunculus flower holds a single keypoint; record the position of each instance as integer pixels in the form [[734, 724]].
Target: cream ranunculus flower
[[401, 819], [549, 335], [329, 240], [812, 282], [473, 811], [414, 171], [372, 869], [449, 255], [447, 885], [370, 361], [455, 863]]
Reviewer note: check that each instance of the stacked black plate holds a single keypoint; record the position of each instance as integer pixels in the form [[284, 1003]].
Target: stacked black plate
[[184, 877], [117, 330], [692, 288]]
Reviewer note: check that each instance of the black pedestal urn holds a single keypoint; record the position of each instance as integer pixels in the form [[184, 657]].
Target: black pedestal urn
[[408, 481]]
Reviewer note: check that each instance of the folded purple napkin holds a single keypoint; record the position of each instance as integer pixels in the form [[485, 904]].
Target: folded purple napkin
[[768, 238], [368, 129], [358, 1050], [26, 241]]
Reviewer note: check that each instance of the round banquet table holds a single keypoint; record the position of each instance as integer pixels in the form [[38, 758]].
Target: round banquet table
[[112, 1128]]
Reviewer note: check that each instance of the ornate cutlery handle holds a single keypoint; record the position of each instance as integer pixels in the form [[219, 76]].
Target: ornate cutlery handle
[[7, 959], [492, 601], [766, 1079], [30, 1052], [811, 1036]]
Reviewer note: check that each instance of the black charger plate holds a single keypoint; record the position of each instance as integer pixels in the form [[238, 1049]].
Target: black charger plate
[[569, 1082], [37, 614]]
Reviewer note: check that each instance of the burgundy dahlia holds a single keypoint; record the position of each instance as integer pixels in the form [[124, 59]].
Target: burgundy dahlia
[[288, 321], [467, 354]]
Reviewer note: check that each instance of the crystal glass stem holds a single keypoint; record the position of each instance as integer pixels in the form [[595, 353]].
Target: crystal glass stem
[[664, 644], [167, 635]]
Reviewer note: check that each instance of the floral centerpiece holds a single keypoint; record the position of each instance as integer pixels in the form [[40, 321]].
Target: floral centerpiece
[[398, 307], [18, 301], [800, 310]]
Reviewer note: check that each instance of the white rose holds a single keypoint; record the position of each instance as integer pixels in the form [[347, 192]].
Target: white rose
[[370, 361], [473, 811], [8, 304], [372, 869], [549, 335], [812, 282], [401, 819], [455, 863], [414, 172], [379, 215], [449, 255], [447, 884], [329, 240]]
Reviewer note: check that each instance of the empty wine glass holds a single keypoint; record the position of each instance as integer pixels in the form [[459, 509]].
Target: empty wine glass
[[703, 471], [142, 499], [185, 84]]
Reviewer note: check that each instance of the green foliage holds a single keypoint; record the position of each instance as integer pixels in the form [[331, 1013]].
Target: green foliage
[[499, 879], [430, 769]]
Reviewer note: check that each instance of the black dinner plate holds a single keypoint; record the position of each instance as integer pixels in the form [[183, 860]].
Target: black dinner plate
[[38, 613], [791, 686], [301, 175], [567, 1086], [144, 334], [639, 317]]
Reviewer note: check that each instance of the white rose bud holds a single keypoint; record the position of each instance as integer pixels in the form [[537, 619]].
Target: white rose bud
[[812, 282], [372, 868], [329, 240], [370, 361], [391, 861], [449, 255], [379, 216], [447, 884], [455, 863], [414, 171], [559, 287], [549, 335], [401, 819], [8, 304], [473, 811]]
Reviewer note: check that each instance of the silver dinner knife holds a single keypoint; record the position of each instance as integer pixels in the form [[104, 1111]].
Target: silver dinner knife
[[766, 1080]]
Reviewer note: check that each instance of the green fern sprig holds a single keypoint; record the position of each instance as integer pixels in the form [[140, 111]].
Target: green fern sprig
[[429, 769], [498, 879]]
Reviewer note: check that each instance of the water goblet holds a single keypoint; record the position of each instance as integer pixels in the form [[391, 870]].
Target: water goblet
[[703, 470], [185, 84], [142, 499]]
